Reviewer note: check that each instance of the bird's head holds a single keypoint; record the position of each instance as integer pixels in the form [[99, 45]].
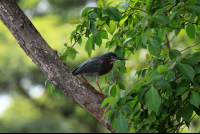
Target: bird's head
[[111, 57]]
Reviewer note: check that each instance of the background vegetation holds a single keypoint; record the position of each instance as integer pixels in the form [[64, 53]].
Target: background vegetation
[[22, 83]]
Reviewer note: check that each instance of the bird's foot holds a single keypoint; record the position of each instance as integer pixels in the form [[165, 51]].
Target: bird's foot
[[87, 83]]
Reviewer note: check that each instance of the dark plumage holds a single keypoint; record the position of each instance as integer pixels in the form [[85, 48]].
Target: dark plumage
[[97, 66]]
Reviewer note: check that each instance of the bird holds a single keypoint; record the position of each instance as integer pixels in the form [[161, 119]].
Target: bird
[[97, 66]]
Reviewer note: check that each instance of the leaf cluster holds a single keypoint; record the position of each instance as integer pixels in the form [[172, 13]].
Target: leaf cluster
[[168, 89]]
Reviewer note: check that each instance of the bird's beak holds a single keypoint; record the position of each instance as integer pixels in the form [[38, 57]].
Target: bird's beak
[[121, 58], [117, 58]]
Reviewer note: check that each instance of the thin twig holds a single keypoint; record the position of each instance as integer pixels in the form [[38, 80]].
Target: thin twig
[[190, 121], [132, 50], [168, 46], [174, 36], [137, 17], [140, 9], [134, 9], [190, 47]]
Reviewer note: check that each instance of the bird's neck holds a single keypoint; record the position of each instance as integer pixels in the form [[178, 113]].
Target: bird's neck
[[106, 67]]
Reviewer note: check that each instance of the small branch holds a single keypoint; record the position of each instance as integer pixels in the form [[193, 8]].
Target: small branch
[[193, 117], [190, 46], [139, 9], [137, 17], [132, 50], [174, 36], [134, 9], [168, 45]]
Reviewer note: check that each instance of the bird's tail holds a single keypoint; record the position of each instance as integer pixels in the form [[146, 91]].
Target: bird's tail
[[74, 72]]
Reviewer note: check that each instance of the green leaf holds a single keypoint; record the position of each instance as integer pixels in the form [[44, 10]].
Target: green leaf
[[173, 2], [114, 13], [80, 41], [154, 47], [191, 19], [120, 63], [195, 99], [184, 96], [89, 45], [144, 38], [141, 93], [98, 40], [59, 92], [107, 114], [93, 27], [153, 76], [127, 109], [93, 41], [196, 57], [74, 20], [51, 90], [187, 72], [189, 61], [179, 113], [160, 32], [124, 5], [111, 28], [121, 86], [72, 35], [86, 10], [198, 131], [164, 85], [172, 15], [197, 111], [190, 2], [170, 76], [181, 90], [118, 41], [123, 19], [121, 124], [187, 114], [137, 87], [121, 102], [195, 8], [113, 91], [173, 54], [153, 100], [161, 18], [71, 52], [103, 34], [126, 41], [123, 70], [147, 4], [161, 69], [107, 100], [100, 3], [190, 30]]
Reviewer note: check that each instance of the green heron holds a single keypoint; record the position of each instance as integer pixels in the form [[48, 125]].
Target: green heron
[[96, 67]]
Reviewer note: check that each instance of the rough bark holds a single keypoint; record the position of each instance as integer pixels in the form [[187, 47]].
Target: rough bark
[[49, 62]]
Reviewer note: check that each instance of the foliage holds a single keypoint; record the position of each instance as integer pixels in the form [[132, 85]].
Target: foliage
[[167, 92]]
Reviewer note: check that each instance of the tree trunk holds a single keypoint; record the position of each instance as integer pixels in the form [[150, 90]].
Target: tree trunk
[[49, 62]]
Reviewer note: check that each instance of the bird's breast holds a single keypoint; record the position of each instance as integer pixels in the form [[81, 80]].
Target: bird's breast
[[106, 67]]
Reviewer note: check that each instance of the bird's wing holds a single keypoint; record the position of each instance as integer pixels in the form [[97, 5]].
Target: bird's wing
[[90, 66]]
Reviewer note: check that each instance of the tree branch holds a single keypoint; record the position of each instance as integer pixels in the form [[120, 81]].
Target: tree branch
[[168, 45], [190, 47], [49, 62]]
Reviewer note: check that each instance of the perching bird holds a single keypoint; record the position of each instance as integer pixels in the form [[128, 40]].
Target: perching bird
[[96, 67]]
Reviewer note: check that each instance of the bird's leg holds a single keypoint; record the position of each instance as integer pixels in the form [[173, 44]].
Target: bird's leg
[[86, 82], [99, 87]]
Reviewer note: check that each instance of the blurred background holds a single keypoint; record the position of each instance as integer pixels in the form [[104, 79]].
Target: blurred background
[[25, 104]]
